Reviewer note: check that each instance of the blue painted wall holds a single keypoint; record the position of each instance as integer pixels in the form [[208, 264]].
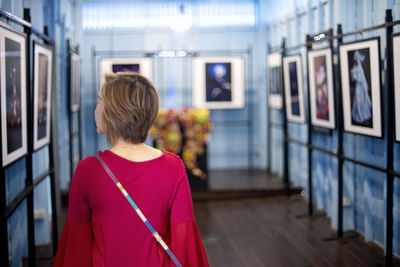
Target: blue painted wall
[[57, 16], [364, 189], [230, 145]]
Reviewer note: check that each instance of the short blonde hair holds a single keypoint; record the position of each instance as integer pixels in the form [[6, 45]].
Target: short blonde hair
[[130, 107]]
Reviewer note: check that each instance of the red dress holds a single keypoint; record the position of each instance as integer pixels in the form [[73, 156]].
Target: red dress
[[102, 229]]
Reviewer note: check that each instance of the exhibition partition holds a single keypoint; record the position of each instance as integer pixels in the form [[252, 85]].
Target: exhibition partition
[[347, 52], [26, 127]]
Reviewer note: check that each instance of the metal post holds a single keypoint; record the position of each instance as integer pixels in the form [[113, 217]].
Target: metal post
[[285, 130], [269, 150], [309, 140], [390, 140], [54, 219], [3, 221], [250, 130], [339, 112], [29, 174]]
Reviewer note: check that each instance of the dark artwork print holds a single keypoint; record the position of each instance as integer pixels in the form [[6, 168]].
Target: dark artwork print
[[13, 95], [275, 81], [42, 96], [125, 68], [360, 87], [321, 88], [294, 89], [218, 82]]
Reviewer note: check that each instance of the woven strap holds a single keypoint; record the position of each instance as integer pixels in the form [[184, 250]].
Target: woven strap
[[138, 212]]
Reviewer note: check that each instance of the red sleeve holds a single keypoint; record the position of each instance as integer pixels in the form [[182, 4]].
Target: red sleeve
[[186, 243], [75, 244]]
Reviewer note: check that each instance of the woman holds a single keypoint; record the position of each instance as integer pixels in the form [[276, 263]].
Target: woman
[[102, 228]]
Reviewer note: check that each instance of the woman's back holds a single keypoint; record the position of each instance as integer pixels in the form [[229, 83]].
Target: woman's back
[[160, 189]]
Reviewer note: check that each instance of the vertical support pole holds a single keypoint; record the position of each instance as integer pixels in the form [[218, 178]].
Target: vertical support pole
[[309, 138], [250, 131], [269, 142], [339, 112], [3, 220], [285, 130], [54, 211], [70, 111], [29, 174], [390, 140], [94, 92], [79, 112]]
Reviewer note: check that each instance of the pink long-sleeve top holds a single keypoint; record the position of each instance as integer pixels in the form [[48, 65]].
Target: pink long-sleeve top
[[102, 229]]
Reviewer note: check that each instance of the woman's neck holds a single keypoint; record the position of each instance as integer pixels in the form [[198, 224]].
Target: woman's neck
[[135, 152]]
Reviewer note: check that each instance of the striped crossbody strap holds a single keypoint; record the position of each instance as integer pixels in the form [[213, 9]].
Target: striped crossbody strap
[[139, 213]]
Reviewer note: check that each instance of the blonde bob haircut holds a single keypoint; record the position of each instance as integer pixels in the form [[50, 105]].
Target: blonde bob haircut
[[130, 107]]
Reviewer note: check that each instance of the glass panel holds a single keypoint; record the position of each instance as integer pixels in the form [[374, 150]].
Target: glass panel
[[15, 179], [43, 219], [18, 236]]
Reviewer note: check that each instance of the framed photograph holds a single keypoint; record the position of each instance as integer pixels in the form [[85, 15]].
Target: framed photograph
[[360, 71], [75, 81], [293, 78], [42, 78], [13, 95], [113, 65], [218, 82], [275, 80], [396, 65], [321, 92]]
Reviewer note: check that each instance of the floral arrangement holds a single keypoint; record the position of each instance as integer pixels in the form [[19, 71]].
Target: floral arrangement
[[191, 125], [166, 131], [197, 132]]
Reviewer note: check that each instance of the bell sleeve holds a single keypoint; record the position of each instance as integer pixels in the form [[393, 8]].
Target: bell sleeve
[[186, 243], [74, 248]]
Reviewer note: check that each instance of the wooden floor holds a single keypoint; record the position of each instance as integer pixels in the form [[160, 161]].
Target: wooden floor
[[243, 223], [266, 232]]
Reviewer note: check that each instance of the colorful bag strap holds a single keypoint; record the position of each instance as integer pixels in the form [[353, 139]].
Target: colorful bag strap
[[139, 213]]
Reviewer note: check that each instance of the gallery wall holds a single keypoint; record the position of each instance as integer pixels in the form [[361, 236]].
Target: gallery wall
[[230, 145], [363, 188], [57, 16]]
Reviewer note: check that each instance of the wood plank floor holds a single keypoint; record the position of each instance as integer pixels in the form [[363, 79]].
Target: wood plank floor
[[266, 232]]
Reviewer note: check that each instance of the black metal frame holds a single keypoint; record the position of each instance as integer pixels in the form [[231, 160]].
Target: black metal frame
[[77, 133], [30, 182], [389, 109]]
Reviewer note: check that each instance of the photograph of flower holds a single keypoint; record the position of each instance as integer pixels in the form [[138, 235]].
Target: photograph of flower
[[359, 66], [321, 88], [13, 95]]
